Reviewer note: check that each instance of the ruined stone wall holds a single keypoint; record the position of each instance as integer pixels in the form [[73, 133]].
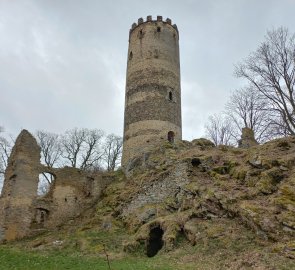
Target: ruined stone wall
[[247, 138], [20, 187], [73, 192], [23, 212], [153, 94]]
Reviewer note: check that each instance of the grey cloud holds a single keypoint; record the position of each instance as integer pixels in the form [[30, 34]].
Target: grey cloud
[[63, 62]]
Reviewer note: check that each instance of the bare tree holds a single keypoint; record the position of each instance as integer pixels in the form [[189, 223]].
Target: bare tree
[[271, 71], [51, 154], [219, 129], [81, 148], [92, 149], [5, 150], [72, 143], [112, 151], [248, 108], [50, 147]]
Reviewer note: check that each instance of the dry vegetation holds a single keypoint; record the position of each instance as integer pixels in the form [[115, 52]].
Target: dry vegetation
[[210, 208]]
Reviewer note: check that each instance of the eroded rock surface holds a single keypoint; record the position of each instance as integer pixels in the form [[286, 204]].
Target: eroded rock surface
[[180, 186]]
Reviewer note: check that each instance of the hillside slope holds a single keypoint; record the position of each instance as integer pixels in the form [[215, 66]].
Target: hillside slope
[[188, 206]]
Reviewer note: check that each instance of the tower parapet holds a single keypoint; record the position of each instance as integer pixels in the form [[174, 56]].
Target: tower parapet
[[153, 92], [149, 19]]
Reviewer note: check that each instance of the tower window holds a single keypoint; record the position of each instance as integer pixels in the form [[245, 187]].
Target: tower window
[[171, 136], [130, 55], [158, 29], [140, 33], [170, 96]]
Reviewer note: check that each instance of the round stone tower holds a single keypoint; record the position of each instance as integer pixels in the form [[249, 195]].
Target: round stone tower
[[153, 96]]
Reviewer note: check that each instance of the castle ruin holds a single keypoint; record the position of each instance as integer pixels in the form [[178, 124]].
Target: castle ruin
[[153, 92], [24, 213], [152, 114]]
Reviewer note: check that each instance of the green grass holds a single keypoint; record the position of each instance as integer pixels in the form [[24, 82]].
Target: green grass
[[223, 243], [16, 259], [185, 258]]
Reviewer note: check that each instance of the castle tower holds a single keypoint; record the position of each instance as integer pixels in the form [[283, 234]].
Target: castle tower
[[153, 95]]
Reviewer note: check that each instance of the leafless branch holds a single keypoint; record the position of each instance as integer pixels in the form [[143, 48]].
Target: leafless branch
[[270, 70], [112, 151], [220, 130], [248, 108], [50, 147], [81, 148]]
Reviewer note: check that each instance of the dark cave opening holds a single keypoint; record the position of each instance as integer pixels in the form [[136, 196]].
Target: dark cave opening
[[155, 242], [196, 162]]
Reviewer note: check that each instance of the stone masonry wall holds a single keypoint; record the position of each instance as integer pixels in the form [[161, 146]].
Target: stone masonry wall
[[142, 136], [23, 212], [153, 94], [20, 187], [247, 138]]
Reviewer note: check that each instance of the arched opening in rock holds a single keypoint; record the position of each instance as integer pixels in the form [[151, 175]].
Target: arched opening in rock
[[196, 162], [171, 136], [170, 96], [45, 181], [155, 241]]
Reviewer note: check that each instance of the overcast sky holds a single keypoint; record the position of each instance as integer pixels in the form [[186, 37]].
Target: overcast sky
[[63, 62]]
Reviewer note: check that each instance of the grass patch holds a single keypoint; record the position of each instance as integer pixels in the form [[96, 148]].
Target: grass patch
[[17, 259]]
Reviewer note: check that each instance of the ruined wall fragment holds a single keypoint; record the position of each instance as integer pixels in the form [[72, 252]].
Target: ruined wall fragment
[[20, 187], [73, 191], [247, 139], [22, 212]]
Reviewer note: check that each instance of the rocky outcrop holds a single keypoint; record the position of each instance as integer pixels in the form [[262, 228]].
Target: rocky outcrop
[[179, 187]]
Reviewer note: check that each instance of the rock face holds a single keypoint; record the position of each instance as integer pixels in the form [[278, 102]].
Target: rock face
[[23, 212], [179, 188], [155, 193], [20, 187], [247, 139]]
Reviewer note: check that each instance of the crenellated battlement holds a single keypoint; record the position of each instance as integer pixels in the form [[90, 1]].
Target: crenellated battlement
[[150, 19]]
